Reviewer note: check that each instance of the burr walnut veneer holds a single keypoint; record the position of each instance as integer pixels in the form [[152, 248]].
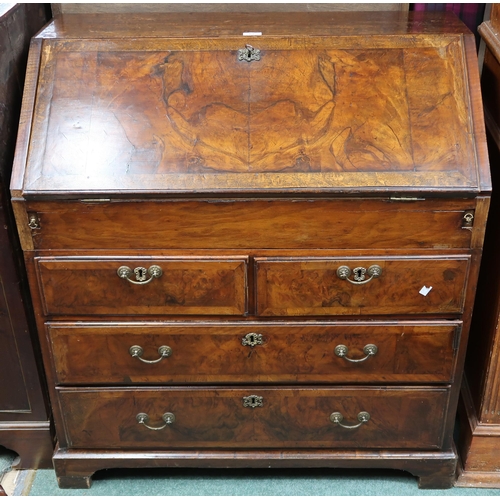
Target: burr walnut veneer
[[253, 239]]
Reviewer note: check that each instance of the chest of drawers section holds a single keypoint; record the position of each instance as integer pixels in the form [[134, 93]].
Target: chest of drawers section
[[288, 302], [254, 348]]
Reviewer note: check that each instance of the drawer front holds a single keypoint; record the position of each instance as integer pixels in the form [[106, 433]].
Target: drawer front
[[254, 417], [186, 286], [292, 224], [254, 352], [401, 285]]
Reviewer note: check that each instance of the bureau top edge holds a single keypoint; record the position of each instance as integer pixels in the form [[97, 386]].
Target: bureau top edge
[[224, 24]]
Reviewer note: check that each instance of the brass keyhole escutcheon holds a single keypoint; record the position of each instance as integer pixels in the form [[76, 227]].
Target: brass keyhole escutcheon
[[359, 273], [140, 273], [248, 54], [253, 401], [252, 339]]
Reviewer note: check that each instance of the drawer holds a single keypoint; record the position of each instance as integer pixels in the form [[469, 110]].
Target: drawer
[[254, 417], [272, 223], [182, 353], [364, 286], [143, 286]]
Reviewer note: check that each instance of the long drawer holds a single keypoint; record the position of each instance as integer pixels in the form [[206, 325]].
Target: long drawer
[[187, 353], [254, 417], [137, 286], [252, 223], [364, 286]]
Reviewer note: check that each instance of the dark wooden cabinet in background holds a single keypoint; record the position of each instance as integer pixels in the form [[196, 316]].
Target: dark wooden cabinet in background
[[480, 405], [248, 235], [24, 410]]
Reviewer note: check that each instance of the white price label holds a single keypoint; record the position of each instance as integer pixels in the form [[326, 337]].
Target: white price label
[[425, 290]]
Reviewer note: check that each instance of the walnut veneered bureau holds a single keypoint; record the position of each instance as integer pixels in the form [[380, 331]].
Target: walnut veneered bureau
[[253, 240]]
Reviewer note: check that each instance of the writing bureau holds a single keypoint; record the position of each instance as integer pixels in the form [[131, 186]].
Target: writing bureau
[[252, 239]]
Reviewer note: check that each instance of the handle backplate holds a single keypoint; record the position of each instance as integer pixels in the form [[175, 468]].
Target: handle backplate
[[359, 274], [141, 274]]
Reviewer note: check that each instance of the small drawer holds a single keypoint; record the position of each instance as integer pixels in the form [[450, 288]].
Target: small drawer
[[135, 286], [186, 353], [254, 417], [364, 286]]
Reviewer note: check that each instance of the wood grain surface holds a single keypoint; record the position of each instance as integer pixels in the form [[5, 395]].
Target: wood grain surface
[[277, 24], [249, 223], [289, 417], [295, 287], [88, 354], [355, 139], [115, 8], [178, 114], [187, 286]]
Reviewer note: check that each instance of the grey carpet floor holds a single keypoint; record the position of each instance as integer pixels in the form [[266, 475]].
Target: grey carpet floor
[[6, 459]]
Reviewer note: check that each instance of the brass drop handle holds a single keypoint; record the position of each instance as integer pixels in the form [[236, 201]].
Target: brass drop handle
[[337, 417], [359, 274], [136, 351], [369, 349], [143, 418], [141, 274]]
